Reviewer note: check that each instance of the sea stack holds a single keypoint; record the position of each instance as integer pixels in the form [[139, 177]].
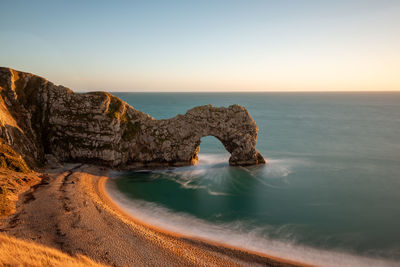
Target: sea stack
[[38, 117]]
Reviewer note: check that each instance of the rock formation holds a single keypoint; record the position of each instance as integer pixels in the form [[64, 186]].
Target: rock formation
[[38, 118]]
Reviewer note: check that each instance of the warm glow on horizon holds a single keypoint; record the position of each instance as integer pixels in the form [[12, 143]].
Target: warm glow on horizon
[[206, 46]]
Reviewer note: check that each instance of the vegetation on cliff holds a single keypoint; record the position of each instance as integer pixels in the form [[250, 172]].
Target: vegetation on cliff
[[11, 160], [15, 177]]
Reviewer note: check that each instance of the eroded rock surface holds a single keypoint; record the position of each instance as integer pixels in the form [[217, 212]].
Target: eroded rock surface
[[38, 118]]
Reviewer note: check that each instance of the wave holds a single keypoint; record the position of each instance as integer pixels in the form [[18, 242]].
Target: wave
[[213, 171], [240, 234], [213, 159], [201, 176]]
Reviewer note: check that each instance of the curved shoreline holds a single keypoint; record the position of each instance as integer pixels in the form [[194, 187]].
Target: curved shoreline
[[71, 211], [298, 256], [203, 243]]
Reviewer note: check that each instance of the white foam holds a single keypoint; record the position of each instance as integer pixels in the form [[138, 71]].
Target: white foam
[[236, 234], [213, 159], [199, 176]]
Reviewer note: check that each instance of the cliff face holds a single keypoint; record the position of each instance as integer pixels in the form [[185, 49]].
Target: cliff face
[[38, 118]]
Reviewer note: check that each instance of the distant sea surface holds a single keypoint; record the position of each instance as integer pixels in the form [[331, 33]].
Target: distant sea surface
[[329, 195]]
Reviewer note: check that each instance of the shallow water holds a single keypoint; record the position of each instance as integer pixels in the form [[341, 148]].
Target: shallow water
[[331, 184]]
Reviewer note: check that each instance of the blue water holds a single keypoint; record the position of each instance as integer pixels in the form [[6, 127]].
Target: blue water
[[332, 181]]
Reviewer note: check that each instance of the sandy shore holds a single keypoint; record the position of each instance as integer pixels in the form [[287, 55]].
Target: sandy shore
[[69, 210]]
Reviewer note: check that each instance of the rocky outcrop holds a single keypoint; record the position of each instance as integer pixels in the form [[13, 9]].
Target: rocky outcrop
[[38, 118]]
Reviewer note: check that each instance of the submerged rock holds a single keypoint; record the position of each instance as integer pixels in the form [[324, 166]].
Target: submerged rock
[[38, 118]]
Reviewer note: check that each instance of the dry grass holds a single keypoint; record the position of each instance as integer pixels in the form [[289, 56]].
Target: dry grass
[[15, 252], [15, 178], [11, 184], [9, 159]]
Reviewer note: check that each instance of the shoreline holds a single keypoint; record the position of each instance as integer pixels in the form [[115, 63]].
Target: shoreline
[[312, 256], [72, 212], [203, 242]]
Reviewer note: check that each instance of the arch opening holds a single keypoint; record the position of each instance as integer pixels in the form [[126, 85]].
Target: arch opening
[[212, 151]]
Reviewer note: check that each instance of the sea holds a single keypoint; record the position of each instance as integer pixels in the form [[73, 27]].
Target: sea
[[329, 194]]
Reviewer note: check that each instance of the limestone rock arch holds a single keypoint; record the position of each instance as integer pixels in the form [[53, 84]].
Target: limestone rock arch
[[180, 136], [100, 128]]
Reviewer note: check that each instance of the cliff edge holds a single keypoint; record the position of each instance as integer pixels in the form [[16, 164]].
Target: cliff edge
[[38, 117]]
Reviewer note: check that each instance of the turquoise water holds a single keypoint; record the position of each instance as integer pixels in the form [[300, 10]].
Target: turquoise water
[[332, 181]]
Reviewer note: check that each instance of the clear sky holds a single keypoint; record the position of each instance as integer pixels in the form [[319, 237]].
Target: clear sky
[[205, 45]]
